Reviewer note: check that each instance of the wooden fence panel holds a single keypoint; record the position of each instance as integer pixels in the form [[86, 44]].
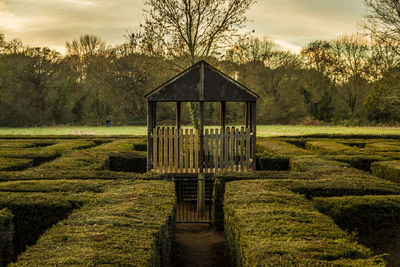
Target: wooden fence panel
[[176, 151]]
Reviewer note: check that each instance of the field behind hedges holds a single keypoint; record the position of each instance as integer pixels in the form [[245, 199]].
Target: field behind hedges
[[86, 200], [262, 130]]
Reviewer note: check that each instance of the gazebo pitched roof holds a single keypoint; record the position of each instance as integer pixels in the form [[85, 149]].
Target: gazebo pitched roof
[[201, 82]]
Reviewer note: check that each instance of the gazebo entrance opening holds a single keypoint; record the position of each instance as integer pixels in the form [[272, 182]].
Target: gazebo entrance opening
[[199, 153]]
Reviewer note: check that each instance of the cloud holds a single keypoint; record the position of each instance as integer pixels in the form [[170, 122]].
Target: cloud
[[52, 23], [288, 46], [293, 23], [298, 22]]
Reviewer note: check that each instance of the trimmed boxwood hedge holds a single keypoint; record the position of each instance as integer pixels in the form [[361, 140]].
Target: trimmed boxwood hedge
[[361, 162], [331, 147], [375, 219], [14, 164], [96, 158], [386, 146], [6, 236], [271, 163], [59, 148], [389, 170], [279, 148], [317, 164], [129, 225], [128, 162], [342, 185], [34, 213], [365, 214], [24, 143], [267, 225], [71, 174], [72, 186]]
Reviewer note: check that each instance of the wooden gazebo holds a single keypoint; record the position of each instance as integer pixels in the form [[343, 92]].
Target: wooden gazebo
[[175, 151]]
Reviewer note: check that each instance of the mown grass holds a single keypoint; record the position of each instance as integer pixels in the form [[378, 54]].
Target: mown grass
[[262, 130]]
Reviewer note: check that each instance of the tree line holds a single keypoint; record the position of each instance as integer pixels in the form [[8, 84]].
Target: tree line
[[351, 80]]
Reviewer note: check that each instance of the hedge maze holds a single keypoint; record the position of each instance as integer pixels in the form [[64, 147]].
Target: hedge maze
[[82, 201], [316, 200], [337, 203]]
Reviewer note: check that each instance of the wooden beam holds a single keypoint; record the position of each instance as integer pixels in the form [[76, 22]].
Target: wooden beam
[[178, 114], [150, 114], [223, 126], [223, 115], [254, 131], [201, 135], [247, 114], [154, 114]]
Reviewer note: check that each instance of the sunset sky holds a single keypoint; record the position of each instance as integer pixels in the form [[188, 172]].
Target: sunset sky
[[291, 23]]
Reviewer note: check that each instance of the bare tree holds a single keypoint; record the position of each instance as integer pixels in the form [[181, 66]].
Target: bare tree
[[191, 29], [87, 45], [318, 55], [383, 58], [252, 49], [382, 21], [37, 70], [187, 30], [351, 70]]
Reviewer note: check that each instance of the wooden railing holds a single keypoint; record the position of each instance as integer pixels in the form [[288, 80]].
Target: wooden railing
[[178, 151]]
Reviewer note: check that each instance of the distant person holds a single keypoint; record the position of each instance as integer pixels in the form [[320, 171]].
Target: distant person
[[108, 122]]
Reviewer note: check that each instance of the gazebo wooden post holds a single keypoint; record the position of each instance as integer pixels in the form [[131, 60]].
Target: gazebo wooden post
[[223, 116], [201, 179], [178, 114], [247, 114], [223, 126], [253, 125], [150, 120], [154, 115]]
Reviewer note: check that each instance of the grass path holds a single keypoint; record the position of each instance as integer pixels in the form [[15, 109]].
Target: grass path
[[262, 130]]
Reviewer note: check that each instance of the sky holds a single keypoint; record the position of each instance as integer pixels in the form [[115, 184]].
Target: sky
[[290, 23]]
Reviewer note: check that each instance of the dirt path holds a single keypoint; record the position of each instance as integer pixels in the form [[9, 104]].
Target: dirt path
[[198, 245]]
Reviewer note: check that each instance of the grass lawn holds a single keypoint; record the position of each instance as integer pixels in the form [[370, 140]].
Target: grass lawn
[[262, 130]]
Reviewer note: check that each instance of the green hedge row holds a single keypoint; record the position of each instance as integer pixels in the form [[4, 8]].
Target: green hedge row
[[387, 146], [57, 149], [389, 155], [128, 161], [272, 163], [6, 236], [10, 144], [14, 164], [375, 218], [389, 170], [96, 158], [318, 164], [361, 162], [34, 213], [331, 147], [71, 174], [309, 184], [279, 148], [365, 214], [342, 184], [267, 225], [129, 225], [72, 186], [40, 154]]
